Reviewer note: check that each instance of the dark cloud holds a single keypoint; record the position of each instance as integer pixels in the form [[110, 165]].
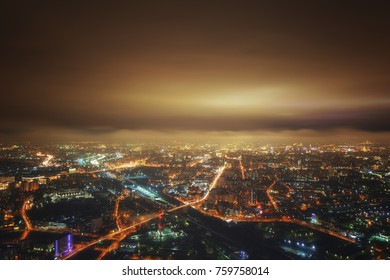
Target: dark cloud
[[366, 119], [98, 67]]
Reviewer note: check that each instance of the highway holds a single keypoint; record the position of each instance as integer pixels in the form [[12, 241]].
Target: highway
[[108, 236], [26, 220], [271, 199], [273, 202], [116, 212], [286, 186], [281, 220], [195, 162], [213, 185], [242, 170], [270, 220]]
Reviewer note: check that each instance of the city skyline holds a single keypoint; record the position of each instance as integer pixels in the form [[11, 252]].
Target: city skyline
[[217, 71], [194, 201]]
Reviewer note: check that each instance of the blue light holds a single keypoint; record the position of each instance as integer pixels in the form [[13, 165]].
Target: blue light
[[243, 255], [56, 248], [69, 247]]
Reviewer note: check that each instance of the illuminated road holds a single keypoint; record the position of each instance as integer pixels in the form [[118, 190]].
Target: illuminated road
[[270, 220], [286, 186], [270, 196], [242, 170], [116, 212], [213, 185], [274, 204], [118, 238], [192, 164], [26, 220], [108, 236], [327, 231], [282, 220], [125, 231], [115, 244]]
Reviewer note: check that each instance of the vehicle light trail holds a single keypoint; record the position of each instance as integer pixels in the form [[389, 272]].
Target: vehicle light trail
[[116, 212], [242, 170], [26, 220], [105, 237], [213, 185], [281, 220], [270, 196]]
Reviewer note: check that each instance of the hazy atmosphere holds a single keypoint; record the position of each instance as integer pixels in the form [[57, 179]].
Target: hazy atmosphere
[[238, 70]]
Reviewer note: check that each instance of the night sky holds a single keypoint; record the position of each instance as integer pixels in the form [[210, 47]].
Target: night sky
[[241, 70]]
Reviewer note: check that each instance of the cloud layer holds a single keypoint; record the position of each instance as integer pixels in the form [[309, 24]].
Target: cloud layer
[[215, 66]]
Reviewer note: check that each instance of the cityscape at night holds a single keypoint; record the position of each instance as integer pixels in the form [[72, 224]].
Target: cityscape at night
[[194, 201], [194, 130]]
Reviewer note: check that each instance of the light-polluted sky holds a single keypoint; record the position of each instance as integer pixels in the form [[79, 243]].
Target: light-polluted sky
[[242, 70]]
